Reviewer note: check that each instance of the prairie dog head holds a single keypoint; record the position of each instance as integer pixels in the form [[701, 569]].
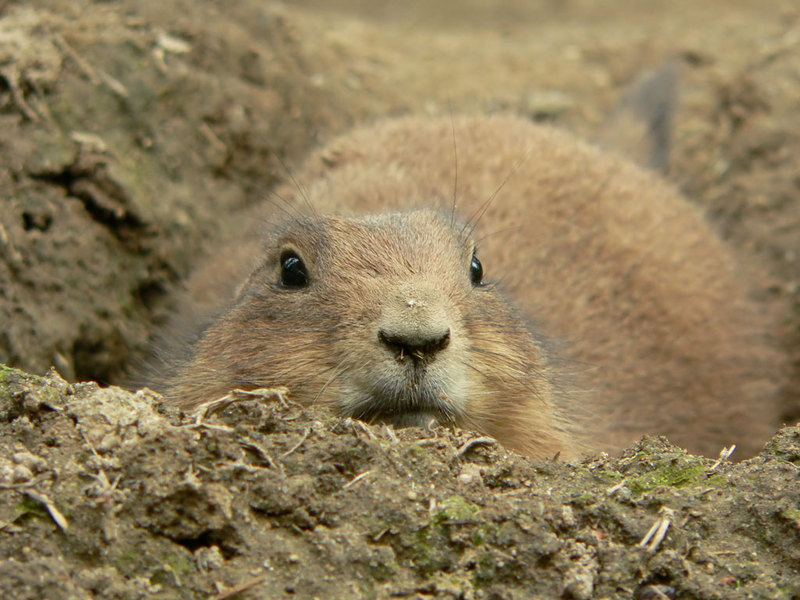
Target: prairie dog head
[[387, 318]]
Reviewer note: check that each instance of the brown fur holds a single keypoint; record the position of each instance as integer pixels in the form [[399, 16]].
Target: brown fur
[[650, 326]]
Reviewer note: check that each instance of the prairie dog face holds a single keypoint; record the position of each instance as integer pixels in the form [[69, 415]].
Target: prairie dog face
[[388, 318]]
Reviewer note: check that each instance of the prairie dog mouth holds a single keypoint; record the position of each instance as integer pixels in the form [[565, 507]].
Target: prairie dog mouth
[[415, 407], [422, 419]]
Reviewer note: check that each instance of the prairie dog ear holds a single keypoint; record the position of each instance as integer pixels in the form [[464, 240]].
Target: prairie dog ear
[[641, 125]]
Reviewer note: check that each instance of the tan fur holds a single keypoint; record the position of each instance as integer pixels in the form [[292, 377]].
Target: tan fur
[[614, 310]]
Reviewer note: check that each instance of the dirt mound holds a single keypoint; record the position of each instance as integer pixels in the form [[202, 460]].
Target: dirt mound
[[134, 132], [108, 494]]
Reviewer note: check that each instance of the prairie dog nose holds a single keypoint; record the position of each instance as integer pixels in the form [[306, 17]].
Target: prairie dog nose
[[414, 328], [417, 344]]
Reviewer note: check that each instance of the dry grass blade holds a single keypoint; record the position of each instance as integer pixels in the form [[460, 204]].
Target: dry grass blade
[[242, 587], [55, 514], [479, 441], [658, 531]]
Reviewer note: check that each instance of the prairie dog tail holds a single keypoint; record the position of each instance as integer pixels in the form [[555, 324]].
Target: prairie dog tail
[[640, 126]]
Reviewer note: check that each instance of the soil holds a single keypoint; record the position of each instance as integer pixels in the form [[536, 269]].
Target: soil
[[133, 134], [108, 494]]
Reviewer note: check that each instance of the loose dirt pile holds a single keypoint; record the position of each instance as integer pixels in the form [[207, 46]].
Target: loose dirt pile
[[107, 494]]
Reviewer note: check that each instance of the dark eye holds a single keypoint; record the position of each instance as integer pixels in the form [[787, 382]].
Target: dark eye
[[476, 271], [293, 271]]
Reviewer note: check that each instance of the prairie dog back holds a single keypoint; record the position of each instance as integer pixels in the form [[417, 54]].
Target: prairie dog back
[[605, 306]]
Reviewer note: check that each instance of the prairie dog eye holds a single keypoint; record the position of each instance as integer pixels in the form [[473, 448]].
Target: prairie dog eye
[[293, 270], [476, 271]]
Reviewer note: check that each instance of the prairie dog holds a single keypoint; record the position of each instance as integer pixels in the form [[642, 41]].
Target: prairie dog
[[529, 286]]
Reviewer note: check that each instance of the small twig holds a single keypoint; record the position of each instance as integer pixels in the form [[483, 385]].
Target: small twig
[[242, 587], [261, 452], [203, 425], [213, 138], [107, 487], [433, 506], [239, 464], [427, 441], [515, 492], [211, 406], [77, 59], [89, 443], [6, 241], [18, 96], [615, 488], [92, 143], [479, 441], [356, 479], [724, 455], [298, 444], [361, 426], [97, 78], [20, 486], [389, 431], [115, 85], [656, 534], [9, 527], [652, 592], [55, 514]]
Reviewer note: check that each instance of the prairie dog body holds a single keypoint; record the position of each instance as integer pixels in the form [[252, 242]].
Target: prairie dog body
[[551, 295]]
